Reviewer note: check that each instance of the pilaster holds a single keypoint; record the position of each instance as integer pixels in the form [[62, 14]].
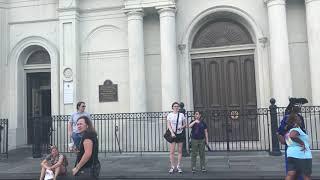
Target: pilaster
[[69, 55]]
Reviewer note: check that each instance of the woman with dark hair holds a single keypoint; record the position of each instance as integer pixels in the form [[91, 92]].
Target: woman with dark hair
[[87, 162], [176, 124], [298, 152]]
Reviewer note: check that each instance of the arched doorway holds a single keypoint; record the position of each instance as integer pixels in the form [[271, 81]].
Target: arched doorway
[[38, 76], [223, 77]]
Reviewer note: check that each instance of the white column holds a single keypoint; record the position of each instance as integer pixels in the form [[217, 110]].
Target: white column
[[69, 49], [279, 47], [137, 78], [169, 64], [313, 26], [3, 56]]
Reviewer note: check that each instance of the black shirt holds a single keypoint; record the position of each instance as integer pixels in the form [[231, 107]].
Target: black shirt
[[94, 157]]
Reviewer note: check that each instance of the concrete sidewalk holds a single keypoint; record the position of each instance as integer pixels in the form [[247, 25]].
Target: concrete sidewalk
[[251, 165]]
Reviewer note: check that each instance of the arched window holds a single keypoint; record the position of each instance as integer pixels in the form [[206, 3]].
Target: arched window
[[221, 32], [39, 57]]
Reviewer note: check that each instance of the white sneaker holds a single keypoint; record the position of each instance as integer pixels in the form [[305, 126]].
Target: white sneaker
[[171, 170], [179, 169]]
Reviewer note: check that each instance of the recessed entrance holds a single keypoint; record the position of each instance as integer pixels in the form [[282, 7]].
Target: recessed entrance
[[38, 102], [224, 80]]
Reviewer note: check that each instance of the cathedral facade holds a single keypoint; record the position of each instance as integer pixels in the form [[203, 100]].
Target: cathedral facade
[[142, 55]]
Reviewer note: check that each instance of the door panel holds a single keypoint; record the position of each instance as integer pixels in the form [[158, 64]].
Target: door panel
[[198, 81], [225, 88]]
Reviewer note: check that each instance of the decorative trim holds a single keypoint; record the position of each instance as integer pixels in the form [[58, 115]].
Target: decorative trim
[[162, 10], [134, 12], [104, 54], [94, 10], [222, 51], [275, 2], [37, 66], [310, 1], [34, 21]]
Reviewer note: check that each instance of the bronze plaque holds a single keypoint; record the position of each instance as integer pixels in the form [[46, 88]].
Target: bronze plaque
[[108, 92]]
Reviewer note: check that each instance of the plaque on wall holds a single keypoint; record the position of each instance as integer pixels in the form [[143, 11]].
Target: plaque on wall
[[108, 92]]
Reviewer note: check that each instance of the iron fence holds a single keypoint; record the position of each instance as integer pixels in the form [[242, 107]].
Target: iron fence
[[311, 116], [229, 130], [3, 138]]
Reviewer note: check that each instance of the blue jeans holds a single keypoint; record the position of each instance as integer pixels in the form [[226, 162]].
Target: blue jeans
[[76, 137]]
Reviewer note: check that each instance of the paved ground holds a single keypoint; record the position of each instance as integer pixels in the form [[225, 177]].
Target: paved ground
[[251, 165]]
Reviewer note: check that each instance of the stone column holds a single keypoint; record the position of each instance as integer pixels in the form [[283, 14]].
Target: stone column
[[313, 26], [3, 55], [69, 49], [137, 80], [279, 49], [169, 64]]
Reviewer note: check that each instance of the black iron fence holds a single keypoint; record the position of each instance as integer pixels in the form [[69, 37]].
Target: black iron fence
[[3, 138], [229, 130], [311, 116]]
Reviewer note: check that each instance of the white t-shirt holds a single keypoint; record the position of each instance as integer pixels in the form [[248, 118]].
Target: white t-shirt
[[172, 118]]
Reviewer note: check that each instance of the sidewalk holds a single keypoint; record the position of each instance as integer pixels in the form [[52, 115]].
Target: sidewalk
[[251, 165]]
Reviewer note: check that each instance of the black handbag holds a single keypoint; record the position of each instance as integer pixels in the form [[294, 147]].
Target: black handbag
[[167, 134]]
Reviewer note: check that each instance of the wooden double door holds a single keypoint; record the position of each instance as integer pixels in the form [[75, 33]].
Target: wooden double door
[[224, 89]]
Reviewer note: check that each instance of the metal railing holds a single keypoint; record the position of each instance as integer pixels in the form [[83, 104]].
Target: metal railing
[[3, 138], [229, 130], [311, 116]]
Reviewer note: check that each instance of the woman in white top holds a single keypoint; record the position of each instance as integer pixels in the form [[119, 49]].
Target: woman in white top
[[176, 133]]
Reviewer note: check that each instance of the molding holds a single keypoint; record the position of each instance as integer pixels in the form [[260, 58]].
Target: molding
[[162, 10], [134, 12], [133, 4], [4, 5], [34, 21], [310, 1], [275, 2], [104, 54], [37, 67], [223, 49], [103, 9]]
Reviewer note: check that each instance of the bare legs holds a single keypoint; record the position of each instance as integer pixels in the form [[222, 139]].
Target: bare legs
[[43, 171], [292, 176], [172, 151]]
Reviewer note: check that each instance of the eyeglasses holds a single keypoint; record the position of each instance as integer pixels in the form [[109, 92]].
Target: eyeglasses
[[175, 106], [83, 106]]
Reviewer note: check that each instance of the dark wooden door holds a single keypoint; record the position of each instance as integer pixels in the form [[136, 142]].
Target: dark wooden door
[[224, 87], [38, 103]]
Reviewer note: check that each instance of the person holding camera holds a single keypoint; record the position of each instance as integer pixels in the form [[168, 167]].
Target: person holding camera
[[176, 122], [199, 139]]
